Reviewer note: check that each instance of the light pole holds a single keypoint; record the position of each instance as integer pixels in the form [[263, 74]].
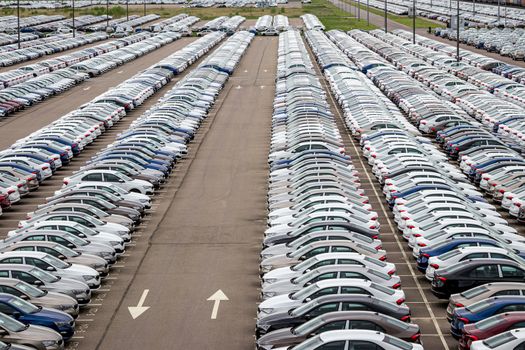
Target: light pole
[[498, 13], [144, 7], [127, 10], [457, 31], [367, 12], [414, 21], [358, 10], [74, 18], [474, 7], [18, 20], [107, 15], [386, 29]]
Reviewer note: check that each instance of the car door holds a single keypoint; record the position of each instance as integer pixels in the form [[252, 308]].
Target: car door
[[478, 275], [39, 263], [362, 345]]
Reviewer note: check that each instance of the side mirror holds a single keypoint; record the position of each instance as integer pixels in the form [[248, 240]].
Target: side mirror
[[62, 257], [23, 296], [50, 268], [308, 299], [81, 235], [38, 283], [70, 245], [16, 314], [3, 332]]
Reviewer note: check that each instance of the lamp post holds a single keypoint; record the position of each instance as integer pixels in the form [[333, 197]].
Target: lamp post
[[127, 10], [144, 7], [74, 18], [386, 29], [107, 15], [367, 12], [18, 20], [414, 21], [358, 10], [457, 31]]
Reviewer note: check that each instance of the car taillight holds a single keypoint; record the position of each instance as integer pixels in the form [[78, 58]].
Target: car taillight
[[383, 258], [405, 318], [442, 279], [464, 320], [501, 191], [425, 255], [472, 337], [416, 337], [396, 286], [66, 182], [459, 305], [379, 247], [373, 218], [45, 167], [518, 204], [436, 266], [372, 227], [417, 234], [375, 237], [391, 272], [457, 148], [422, 244], [400, 301], [411, 226]]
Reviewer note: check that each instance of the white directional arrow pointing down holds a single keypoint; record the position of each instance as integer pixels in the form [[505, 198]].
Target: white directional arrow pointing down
[[217, 297], [138, 310]]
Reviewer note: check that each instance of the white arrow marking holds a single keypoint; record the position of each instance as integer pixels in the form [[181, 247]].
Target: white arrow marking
[[245, 71], [120, 72], [238, 87], [266, 70], [138, 310], [262, 86], [87, 88], [217, 297]]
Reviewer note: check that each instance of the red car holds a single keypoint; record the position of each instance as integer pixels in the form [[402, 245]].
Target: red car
[[491, 326]]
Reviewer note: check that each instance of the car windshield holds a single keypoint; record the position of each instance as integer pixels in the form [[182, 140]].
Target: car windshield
[[379, 274], [11, 324], [23, 305], [474, 292], [305, 292], [375, 261], [56, 263], [449, 254], [489, 322], [29, 289], [499, 340], [77, 240], [308, 327], [43, 275], [382, 288], [65, 251]]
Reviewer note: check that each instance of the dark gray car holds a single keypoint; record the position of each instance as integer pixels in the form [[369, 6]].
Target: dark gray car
[[340, 320]]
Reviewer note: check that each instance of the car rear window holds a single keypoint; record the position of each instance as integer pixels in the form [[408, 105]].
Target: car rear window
[[489, 322], [474, 292], [480, 305], [499, 339], [375, 261], [400, 344], [449, 254]]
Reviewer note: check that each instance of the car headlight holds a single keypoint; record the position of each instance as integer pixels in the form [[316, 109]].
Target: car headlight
[[266, 310], [266, 268], [114, 243], [87, 277], [79, 291], [62, 324], [48, 343], [269, 294], [270, 280]]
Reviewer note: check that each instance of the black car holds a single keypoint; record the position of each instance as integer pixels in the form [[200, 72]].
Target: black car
[[471, 273], [330, 303]]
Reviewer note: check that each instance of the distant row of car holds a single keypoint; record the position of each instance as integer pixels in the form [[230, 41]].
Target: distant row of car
[[9, 24], [8, 58], [312, 22], [268, 25], [59, 254], [222, 23], [460, 240], [325, 281], [31, 84]]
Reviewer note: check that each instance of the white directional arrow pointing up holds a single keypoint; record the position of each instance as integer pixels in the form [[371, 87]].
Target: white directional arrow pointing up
[[138, 310], [217, 297]]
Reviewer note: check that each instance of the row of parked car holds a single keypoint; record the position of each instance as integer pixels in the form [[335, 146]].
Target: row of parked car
[[9, 39], [182, 26], [312, 22], [325, 281], [21, 93], [8, 58], [268, 25], [8, 24], [505, 41], [80, 22], [59, 254], [493, 165], [500, 110], [222, 23], [34, 42], [460, 241]]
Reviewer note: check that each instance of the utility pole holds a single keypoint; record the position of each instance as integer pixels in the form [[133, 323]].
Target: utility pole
[[127, 10], [474, 7], [74, 28], [144, 7], [505, 4], [457, 31], [386, 29], [367, 12], [498, 13], [358, 10], [107, 15], [18, 20], [414, 21]]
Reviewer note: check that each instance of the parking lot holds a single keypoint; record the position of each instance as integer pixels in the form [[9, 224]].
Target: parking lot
[[268, 187]]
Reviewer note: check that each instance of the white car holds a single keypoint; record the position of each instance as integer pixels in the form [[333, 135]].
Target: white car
[[363, 339], [288, 301], [109, 176], [514, 339]]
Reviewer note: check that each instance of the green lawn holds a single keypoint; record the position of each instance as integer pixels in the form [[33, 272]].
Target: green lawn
[[335, 18], [405, 20]]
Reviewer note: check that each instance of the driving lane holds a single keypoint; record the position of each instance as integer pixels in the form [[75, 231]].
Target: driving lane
[[210, 234]]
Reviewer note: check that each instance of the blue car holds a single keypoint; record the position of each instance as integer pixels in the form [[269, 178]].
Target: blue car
[[414, 189], [482, 310], [454, 243], [36, 315], [24, 169]]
